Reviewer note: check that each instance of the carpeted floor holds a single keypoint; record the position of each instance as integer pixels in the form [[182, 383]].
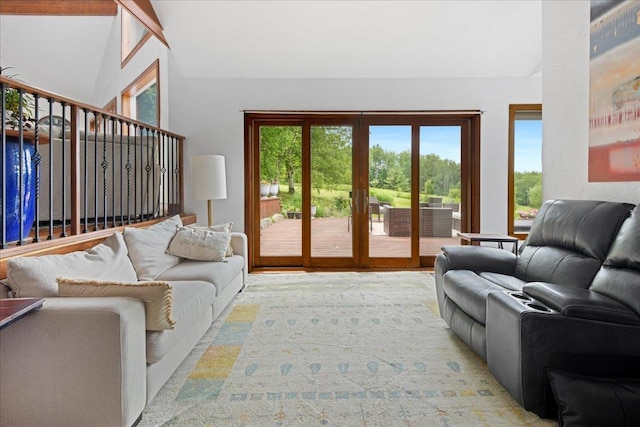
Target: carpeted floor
[[334, 349]]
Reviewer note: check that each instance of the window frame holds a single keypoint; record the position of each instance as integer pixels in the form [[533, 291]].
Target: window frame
[[126, 51], [513, 109], [147, 77], [110, 107]]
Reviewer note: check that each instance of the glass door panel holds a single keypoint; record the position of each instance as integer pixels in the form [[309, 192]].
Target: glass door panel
[[389, 213], [331, 203], [440, 188], [280, 191]]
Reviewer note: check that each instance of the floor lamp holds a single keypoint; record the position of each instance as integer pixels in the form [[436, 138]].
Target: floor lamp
[[209, 180]]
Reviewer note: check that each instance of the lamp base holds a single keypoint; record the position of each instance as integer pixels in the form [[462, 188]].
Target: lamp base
[[210, 212]]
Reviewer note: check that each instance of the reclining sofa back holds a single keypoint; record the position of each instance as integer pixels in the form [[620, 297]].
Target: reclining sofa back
[[619, 276], [569, 241]]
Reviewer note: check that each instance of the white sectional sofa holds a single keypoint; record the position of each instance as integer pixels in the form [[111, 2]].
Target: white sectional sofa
[[91, 360]]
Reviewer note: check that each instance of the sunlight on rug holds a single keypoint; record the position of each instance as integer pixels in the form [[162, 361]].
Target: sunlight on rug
[[334, 349]]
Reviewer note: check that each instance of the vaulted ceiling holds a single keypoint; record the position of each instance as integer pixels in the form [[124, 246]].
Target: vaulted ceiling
[[353, 39], [293, 39]]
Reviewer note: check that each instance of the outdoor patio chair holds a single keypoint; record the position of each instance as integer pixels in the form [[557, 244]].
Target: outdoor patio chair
[[374, 207]]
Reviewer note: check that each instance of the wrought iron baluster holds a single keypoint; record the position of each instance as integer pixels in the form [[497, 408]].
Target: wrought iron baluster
[[36, 159], [120, 121], [21, 167], [135, 173], [154, 202], [129, 173], [171, 182], [104, 165], [113, 171], [64, 172], [161, 184], [50, 235], [85, 205], [177, 173], [121, 175], [147, 169], [95, 171]]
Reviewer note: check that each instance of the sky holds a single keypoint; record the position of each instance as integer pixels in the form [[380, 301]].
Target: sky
[[528, 156], [445, 142]]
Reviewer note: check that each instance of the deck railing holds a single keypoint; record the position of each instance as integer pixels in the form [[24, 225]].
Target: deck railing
[[68, 168]]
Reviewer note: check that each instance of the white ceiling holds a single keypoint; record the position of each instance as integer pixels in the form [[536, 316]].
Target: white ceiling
[[353, 39], [292, 39]]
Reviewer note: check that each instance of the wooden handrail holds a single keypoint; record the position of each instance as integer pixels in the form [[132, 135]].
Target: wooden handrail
[[152, 176], [61, 99]]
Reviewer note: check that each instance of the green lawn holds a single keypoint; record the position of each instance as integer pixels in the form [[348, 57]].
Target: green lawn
[[335, 202]]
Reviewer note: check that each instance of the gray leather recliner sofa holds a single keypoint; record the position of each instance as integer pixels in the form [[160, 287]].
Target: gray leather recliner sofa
[[570, 299]]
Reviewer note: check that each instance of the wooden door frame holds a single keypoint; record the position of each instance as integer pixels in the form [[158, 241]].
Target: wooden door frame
[[470, 188], [470, 167]]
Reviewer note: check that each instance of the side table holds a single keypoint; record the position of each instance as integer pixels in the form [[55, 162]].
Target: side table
[[12, 309], [476, 238]]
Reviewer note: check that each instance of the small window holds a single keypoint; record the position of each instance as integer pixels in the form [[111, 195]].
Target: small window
[[111, 107], [141, 99], [525, 167], [134, 35]]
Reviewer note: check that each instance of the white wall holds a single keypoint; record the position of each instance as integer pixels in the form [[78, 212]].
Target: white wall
[[59, 54], [112, 79], [209, 113], [565, 99]]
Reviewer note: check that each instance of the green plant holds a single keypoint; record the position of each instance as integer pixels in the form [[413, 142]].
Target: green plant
[[383, 197], [11, 107]]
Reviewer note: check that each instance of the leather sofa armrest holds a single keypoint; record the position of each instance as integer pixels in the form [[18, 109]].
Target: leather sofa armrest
[[581, 303], [76, 361], [480, 258], [475, 258]]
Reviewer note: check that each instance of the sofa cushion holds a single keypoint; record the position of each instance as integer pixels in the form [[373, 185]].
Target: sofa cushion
[[507, 282], [225, 227], [148, 247], [157, 297], [199, 244], [469, 292], [218, 273], [619, 277], [584, 226], [569, 240], [191, 300], [36, 276], [590, 401], [556, 265]]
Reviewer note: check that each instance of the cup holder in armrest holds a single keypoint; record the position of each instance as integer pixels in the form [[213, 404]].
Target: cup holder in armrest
[[537, 307], [519, 296]]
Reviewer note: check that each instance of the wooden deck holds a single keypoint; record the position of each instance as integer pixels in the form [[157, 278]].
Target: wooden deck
[[330, 238]]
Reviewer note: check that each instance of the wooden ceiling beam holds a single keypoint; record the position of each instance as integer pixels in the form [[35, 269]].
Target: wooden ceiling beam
[[59, 7]]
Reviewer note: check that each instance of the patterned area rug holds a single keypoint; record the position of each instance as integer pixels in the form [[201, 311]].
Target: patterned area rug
[[334, 349]]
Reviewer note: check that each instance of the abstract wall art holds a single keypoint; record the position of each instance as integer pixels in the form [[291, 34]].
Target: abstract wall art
[[614, 91]]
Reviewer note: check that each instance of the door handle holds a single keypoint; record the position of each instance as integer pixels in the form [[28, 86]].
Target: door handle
[[356, 199], [365, 202]]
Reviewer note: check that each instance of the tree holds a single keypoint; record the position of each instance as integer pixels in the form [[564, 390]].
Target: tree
[[535, 195], [379, 163], [330, 156], [522, 183], [281, 154]]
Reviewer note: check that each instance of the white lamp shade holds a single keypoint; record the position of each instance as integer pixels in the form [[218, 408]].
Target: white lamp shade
[[208, 177]]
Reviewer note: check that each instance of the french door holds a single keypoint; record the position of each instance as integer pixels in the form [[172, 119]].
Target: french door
[[359, 190]]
